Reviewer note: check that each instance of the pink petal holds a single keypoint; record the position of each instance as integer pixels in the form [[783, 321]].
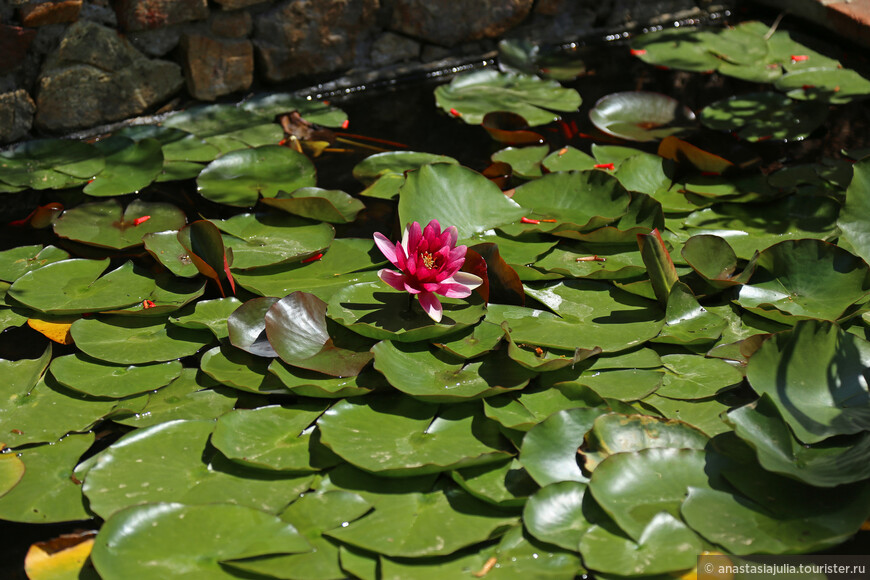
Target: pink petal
[[410, 289], [401, 258], [387, 248], [453, 235], [467, 279], [454, 291], [431, 305], [392, 278], [412, 237]]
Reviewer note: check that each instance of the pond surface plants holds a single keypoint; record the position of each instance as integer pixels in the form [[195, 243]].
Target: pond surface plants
[[648, 341]]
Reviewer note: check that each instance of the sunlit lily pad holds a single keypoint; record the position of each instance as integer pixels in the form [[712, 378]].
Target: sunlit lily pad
[[800, 279], [687, 322], [210, 314], [96, 378], [166, 248], [15, 262], [50, 163], [130, 166], [594, 261], [271, 238], [852, 220], [506, 485], [108, 224], [679, 48], [815, 375], [568, 159], [412, 437], [240, 178], [127, 545], [133, 340], [328, 205], [318, 385], [240, 370], [384, 173], [835, 86], [170, 462], [474, 94], [691, 376], [554, 514], [704, 414], [762, 116], [641, 116], [524, 161]]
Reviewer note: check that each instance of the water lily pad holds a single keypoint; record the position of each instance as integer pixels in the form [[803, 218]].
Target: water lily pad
[[549, 450], [554, 514], [616, 261], [524, 161], [475, 94], [167, 250], [392, 165], [11, 472], [762, 116], [246, 327], [692, 376], [177, 145], [852, 220], [133, 340], [47, 493], [204, 247], [687, 322], [318, 385], [568, 159], [170, 462], [826, 465], [227, 127], [266, 239], [81, 373], [815, 375], [411, 438], [210, 314], [474, 341], [834, 86], [126, 545], [272, 437], [369, 310], [641, 116], [107, 224], [713, 259], [328, 205], [130, 166], [76, 285], [506, 485], [50, 163], [439, 377], [704, 414], [15, 262], [801, 279], [313, 111], [240, 178], [679, 48], [240, 370], [456, 196]]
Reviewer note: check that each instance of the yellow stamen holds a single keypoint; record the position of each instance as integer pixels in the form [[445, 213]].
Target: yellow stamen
[[428, 260]]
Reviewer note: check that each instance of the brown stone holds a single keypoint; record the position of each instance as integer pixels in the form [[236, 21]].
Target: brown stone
[[850, 19], [303, 37], [45, 13], [136, 15], [215, 67], [236, 4], [96, 77], [452, 22], [390, 48], [16, 115], [236, 24], [14, 42]]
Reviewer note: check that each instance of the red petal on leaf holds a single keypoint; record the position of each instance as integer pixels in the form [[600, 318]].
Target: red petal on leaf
[[146, 304], [638, 51], [526, 220], [313, 258], [799, 58], [141, 220], [455, 113], [345, 124], [609, 166]]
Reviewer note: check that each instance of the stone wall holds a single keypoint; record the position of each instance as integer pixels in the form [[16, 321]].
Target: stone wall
[[74, 64]]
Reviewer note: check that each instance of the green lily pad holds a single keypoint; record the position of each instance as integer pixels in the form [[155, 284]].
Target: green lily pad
[[815, 375], [411, 437], [678, 48], [641, 116], [835, 86], [852, 220], [523, 410], [47, 492], [440, 377], [177, 145], [473, 342], [666, 545], [524, 161], [81, 373], [318, 385], [743, 44], [368, 309], [825, 465], [273, 437], [313, 111], [187, 397], [75, 286], [762, 116], [210, 314], [802, 279], [328, 205], [127, 545], [554, 514], [475, 94], [549, 450], [384, 173], [240, 370], [227, 127], [455, 196], [170, 462], [622, 384], [704, 414], [617, 261], [179, 171], [130, 166], [506, 485], [617, 433], [134, 340], [687, 322], [167, 250], [50, 164], [107, 224], [17, 262], [568, 159], [240, 178], [266, 239], [169, 294], [712, 258], [692, 376], [578, 200]]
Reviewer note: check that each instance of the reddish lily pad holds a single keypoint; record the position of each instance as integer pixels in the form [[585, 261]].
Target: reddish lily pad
[[204, 247], [107, 224], [641, 116]]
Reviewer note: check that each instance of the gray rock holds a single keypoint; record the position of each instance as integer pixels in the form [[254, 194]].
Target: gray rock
[[216, 66], [303, 37], [157, 42], [16, 115], [95, 77], [390, 48], [451, 22]]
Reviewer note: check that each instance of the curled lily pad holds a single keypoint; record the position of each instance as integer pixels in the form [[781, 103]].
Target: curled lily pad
[[762, 116], [801, 279], [168, 250], [510, 129], [130, 166], [204, 248], [475, 94], [50, 163], [240, 178], [328, 205], [247, 327], [107, 224], [641, 116]]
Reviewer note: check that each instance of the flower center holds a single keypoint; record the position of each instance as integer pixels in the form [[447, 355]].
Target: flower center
[[429, 260]]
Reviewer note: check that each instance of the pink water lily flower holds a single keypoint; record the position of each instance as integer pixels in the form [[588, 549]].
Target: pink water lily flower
[[429, 263]]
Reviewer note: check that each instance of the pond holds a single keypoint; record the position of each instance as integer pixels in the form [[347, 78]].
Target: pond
[[589, 309]]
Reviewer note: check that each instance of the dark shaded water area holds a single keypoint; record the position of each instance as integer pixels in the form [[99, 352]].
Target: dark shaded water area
[[407, 114]]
